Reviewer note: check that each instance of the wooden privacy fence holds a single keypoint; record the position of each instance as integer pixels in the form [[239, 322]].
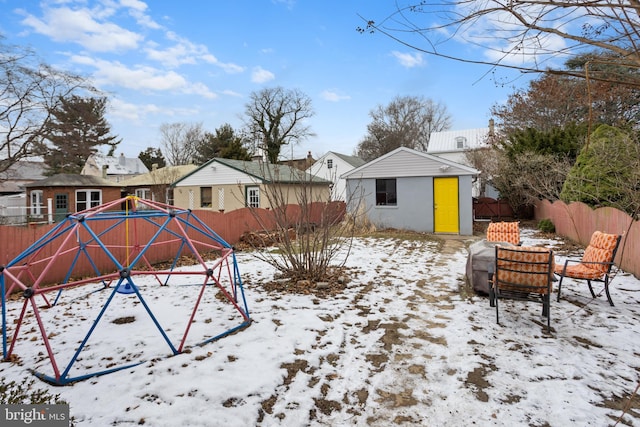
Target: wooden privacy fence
[[229, 226], [488, 208], [578, 221]]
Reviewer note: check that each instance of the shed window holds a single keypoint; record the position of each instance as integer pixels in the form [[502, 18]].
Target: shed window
[[329, 163], [386, 192], [205, 197]]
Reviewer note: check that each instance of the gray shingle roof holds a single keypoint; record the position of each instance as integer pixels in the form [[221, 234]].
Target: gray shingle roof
[[73, 180], [266, 172], [354, 161]]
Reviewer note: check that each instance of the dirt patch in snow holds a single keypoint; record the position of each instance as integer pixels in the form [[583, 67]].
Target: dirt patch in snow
[[393, 344]]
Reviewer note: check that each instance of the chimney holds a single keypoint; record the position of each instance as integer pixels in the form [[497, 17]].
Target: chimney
[[491, 127], [104, 171], [154, 167], [122, 161]]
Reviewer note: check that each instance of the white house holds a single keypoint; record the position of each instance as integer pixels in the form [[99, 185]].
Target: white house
[[453, 145], [227, 185], [330, 167], [113, 168], [412, 190]]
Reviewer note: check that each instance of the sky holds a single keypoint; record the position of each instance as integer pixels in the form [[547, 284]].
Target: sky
[[403, 345], [198, 62]]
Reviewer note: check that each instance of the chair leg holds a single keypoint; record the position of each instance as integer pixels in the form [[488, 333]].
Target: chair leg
[[606, 289], [545, 305], [492, 297], [560, 286], [497, 314], [548, 316], [593, 294]]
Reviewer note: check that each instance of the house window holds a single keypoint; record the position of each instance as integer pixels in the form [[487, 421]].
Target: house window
[[143, 193], [253, 197], [329, 163], [36, 203], [205, 197], [386, 192], [86, 199], [461, 142], [168, 196]]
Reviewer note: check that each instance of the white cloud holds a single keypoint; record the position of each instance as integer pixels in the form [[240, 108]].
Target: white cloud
[[141, 78], [260, 75], [408, 60], [186, 52], [232, 93], [330, 95], [79, 26], [131, 112], [199, 89], [134, 4]]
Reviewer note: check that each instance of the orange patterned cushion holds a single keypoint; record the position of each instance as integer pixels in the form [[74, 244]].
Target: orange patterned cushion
[[504, 232], [579, 271], [599, 251], [525, 266]]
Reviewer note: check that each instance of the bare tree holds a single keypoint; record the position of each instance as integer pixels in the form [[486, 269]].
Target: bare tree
[[29, 91], [180, 141], [407, 121], [526, 35], [311, 233], [277, 117]]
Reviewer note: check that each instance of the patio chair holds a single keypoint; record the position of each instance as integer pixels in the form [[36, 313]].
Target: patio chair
[[595, 264], [522, 273], [504, 232]]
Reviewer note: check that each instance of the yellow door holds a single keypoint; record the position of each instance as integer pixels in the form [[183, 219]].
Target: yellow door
[[445, 205]]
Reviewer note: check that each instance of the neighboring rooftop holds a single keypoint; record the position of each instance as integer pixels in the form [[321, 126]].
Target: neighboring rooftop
[[116, 167], [165, 175], [73, 180], [457, 140], [354, 161], [267, 172], [14, 179]]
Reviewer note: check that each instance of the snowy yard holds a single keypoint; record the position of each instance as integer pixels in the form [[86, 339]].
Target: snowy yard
[[406, 343]]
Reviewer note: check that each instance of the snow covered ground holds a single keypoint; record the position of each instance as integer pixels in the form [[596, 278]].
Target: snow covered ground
[[406, 343]]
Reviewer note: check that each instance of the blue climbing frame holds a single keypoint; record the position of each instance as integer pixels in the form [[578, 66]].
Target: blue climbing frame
[[118, 242]]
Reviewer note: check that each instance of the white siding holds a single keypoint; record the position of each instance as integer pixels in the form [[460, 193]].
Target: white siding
[[217, 174], [339, 167]]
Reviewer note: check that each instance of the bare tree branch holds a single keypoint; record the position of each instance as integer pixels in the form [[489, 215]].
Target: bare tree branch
[[529, 36], [277, 117], [180, 141], [29, 91]]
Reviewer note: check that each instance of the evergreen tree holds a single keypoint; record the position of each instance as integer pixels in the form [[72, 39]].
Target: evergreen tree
[[76, 129], [607, 172], [152, 156], [224, 144], [557, 141]]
